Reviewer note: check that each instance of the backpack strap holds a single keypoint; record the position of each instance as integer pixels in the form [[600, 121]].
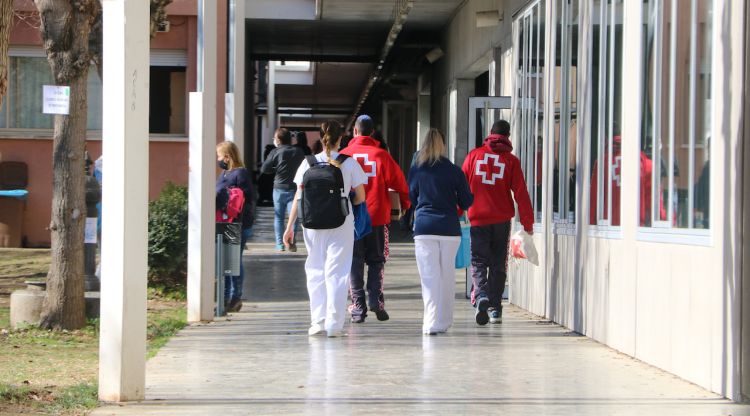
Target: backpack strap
[[311, 160], [340, 159]]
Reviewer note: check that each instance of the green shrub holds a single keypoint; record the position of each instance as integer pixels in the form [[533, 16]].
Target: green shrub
[[167, 237]]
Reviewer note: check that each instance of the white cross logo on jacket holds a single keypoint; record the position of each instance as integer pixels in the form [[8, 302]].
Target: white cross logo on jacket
[[483, 168], [369, 167], [616, 170]]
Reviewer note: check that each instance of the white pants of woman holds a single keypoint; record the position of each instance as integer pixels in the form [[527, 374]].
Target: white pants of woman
[[329, 260], [436, 256]]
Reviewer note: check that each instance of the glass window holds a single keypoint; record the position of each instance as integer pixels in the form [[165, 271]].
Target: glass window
[[606, 160], [529, 105], [22, 106], [564, 128], [674, 182]]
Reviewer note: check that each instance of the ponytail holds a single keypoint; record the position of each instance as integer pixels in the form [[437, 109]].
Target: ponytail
[[330, 132]]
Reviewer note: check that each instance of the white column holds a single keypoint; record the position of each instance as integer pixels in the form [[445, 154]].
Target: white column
[[122, 339], [271, 99], [234, 100], [458, 119], [202, 171], [424, 106]]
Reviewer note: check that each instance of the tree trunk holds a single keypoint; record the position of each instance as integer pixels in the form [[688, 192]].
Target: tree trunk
[[65, 27], [6, 21]]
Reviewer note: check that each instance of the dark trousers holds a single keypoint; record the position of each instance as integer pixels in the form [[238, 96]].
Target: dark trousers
[[369, 250], [489, 260]]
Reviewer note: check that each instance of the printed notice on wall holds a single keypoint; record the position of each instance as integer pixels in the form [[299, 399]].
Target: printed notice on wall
[[56, 99], [89, 233]]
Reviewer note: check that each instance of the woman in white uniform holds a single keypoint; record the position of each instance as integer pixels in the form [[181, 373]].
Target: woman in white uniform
[[329, 252]]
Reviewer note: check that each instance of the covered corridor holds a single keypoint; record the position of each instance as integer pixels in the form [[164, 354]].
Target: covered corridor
[[261, 360], [590, 93]]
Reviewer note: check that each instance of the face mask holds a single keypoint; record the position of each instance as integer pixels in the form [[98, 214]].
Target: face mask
[[223, 165]]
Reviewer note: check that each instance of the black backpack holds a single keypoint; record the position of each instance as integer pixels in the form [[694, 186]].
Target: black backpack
[[325, 202]]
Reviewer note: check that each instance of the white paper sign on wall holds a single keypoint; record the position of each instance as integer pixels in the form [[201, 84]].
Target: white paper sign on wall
[[56, 99], [89, 233]]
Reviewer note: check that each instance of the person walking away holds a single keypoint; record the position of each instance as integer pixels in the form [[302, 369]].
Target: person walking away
[[382, 173], [233, 175], [495, 178], [329, 251], [300, 139], [436, 188], [317, 147], [283, 161]]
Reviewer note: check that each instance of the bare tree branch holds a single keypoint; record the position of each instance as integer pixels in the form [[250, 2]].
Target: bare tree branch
[[158, 14]]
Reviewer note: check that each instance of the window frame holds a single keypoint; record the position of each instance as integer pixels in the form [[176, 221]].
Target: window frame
[[173, 57], [667, 231], [528, 92], [564, 219], [601, 225]]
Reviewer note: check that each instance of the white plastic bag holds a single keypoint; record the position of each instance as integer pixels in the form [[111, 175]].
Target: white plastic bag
[[522, 247]]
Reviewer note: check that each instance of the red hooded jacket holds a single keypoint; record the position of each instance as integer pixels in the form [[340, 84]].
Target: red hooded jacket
[[493, 172], [383, 173]]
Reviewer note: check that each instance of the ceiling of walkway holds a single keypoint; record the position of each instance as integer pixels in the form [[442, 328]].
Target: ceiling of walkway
[[350, 33]]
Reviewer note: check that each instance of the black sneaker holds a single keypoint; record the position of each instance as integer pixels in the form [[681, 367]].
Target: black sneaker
[[382, 315], [235, 305], [358, 319], [481, 315]]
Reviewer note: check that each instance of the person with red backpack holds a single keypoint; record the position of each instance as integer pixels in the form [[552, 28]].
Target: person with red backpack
[[234, 206], [383, 173], [496, 180]]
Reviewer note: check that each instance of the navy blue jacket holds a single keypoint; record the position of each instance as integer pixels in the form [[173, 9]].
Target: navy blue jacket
[[239, 178], [437, 191]]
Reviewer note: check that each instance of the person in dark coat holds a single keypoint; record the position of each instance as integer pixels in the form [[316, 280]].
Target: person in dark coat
[[301, 141], [234, 175]]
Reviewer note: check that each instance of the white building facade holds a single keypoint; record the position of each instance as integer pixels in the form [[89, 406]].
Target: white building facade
[[628, 118]]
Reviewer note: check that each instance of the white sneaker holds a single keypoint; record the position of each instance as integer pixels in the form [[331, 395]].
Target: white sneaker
[[334, 334], [315, 329]]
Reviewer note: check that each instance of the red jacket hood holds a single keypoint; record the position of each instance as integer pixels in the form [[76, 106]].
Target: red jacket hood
[[365, 141], [498, 143]]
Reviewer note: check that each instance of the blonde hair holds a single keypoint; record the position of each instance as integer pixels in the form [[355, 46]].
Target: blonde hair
[[432, 149], [230, 150], [330, 134]]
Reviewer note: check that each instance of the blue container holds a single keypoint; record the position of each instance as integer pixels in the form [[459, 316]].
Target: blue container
[[463, 255]]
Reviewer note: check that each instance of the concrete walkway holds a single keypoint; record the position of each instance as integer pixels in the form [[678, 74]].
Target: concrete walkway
[[261, 361]]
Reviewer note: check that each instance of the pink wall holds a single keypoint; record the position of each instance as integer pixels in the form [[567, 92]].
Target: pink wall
[[168, 162]]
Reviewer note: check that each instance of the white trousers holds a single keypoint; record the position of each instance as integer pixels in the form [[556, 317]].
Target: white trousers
[[329, 260], [436, 256]]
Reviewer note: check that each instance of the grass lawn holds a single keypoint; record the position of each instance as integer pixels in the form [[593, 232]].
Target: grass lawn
[[48, 372]]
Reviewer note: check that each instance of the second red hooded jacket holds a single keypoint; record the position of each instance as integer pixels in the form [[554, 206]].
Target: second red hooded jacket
[[493, 172], [383, 173]]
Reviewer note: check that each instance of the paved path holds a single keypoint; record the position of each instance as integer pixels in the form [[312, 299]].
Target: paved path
[[261, 361]]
